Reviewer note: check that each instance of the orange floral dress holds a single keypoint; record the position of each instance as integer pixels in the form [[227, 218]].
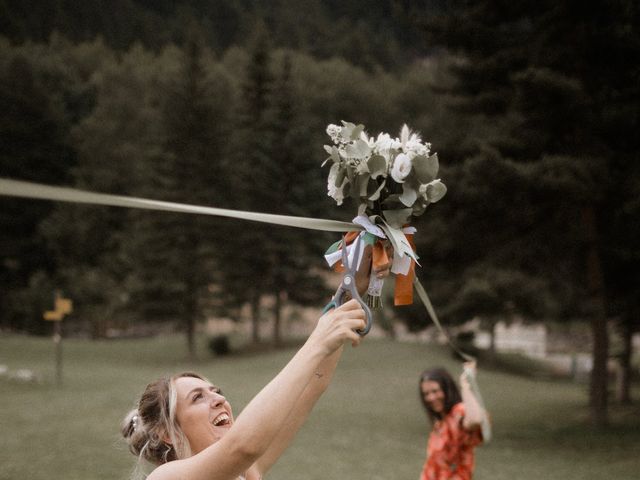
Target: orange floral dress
[[450, 448]]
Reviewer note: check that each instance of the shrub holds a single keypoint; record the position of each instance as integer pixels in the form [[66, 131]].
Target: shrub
[[219, 345]]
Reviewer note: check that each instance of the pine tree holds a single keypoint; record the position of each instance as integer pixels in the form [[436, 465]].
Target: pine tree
[[35, 147], [112, 144], [248, 171], [294, 256], [176, 253], [547, 190]]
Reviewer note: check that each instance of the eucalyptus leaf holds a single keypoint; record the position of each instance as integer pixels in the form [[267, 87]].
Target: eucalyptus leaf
[[426, 168], [377, 165], [328, 149], [435, 191], [419, 208], [335, 154], [376, 194], [339, 173], [347, 129], [346, 190], [397, 218], [351, 173], [359, 149], [371, 206], [409, 195], [398, 239], [393, 201], [364, 184], [355, 188], [355, 134], [363, 168]]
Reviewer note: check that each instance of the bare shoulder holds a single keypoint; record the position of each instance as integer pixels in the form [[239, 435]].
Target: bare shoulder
[[166, 471]]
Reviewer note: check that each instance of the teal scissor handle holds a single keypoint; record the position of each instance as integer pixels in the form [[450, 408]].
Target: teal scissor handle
[[348, 284], [367, 311]]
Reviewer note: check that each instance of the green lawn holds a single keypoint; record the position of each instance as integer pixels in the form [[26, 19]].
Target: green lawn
[[369, 425]]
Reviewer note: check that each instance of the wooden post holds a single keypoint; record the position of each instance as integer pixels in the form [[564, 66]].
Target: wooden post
[[57, 342], [63, 306]]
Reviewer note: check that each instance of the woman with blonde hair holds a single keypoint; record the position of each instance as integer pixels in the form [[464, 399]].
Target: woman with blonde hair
[[184, 425]]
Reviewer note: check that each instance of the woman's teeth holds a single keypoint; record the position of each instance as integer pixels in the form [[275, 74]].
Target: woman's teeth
[[221, 419]]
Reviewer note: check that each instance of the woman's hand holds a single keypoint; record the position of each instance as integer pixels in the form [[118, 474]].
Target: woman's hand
[[337, 326], [468, 369]]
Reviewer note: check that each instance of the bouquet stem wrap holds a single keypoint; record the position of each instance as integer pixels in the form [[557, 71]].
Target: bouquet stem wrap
[[403, 294]]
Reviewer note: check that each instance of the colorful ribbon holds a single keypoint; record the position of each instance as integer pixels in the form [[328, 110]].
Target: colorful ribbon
[[403, 292]]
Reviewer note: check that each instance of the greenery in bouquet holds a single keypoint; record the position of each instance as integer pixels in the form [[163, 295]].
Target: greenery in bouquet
[[394, 178]]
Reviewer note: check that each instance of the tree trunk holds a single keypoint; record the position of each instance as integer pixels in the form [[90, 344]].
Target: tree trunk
[[190, 320], [492, 337], [277, 319], [595, 286], [623, 390], [255, 318]]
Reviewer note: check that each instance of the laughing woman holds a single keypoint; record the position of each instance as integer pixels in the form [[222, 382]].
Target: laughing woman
[[457, 419], [184, 425]]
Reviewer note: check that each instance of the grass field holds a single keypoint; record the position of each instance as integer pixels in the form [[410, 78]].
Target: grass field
[[369, 425]]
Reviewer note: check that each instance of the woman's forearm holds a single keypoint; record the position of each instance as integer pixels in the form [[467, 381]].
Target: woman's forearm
[[474, 414], [300, 412], [265, 415]]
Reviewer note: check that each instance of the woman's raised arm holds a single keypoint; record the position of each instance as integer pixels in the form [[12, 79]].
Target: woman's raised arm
[[265, 416], [322, 377]]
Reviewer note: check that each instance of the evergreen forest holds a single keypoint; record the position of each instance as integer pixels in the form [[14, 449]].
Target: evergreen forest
[[532, 108]]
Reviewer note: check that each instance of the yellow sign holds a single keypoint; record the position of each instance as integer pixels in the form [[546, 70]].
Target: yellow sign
[[63, 306], [53, 316]]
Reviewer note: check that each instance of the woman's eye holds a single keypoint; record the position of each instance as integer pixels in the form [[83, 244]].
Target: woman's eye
[[197, 396]]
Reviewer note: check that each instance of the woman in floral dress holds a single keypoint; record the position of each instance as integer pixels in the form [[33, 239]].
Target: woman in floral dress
[[457, 417]]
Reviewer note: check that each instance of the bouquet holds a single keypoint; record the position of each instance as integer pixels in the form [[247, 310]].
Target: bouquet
[[391, 180]]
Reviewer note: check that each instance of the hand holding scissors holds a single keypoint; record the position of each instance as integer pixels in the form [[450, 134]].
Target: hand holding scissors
[[348, 288]]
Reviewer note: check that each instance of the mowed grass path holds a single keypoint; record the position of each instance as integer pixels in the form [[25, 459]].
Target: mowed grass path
[[369, 425]]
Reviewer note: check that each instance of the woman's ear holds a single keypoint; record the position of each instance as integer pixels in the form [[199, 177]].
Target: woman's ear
[[164, 436]]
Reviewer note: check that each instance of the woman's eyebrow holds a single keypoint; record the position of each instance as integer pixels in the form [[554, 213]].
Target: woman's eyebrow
[[197, 389]]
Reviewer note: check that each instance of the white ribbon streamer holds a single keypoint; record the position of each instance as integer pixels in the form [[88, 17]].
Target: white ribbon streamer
[[335, 257], [16, 188]]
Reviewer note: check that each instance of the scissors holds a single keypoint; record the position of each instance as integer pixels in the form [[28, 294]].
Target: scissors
[[348, 285]]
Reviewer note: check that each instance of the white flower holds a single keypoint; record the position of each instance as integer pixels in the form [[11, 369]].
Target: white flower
[[368, 140], [386, 146], [401, 168], [415, 147], [334, 131], [333, 191], [383, 142]]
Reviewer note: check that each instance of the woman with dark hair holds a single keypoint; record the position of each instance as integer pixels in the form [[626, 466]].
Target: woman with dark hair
[[457, 417]]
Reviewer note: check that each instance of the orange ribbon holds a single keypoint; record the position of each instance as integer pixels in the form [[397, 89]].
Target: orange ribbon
[[403, 294], [404, 283]]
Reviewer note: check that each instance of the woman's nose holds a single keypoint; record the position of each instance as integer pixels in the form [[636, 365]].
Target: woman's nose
[[217, 400]]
